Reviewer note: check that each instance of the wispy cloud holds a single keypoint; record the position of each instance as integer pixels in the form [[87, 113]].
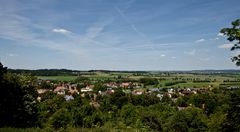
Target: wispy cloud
[[192, 52], [200, 40], [205, 59], [12, 55], [226, 46], [163, 55], [22, 30], [133, 27], [220, 34], [173, 57], [138, 32], [60, 30]]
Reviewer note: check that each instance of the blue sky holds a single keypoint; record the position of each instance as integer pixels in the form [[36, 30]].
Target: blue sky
[[116, 34]]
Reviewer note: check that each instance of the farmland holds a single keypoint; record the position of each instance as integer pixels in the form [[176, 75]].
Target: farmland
[[165, 79]]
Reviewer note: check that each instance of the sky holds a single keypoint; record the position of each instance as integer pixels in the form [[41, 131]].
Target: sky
[[116, 34]]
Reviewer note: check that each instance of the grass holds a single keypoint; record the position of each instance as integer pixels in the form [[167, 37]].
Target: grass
[[218, 79], [59, 78]]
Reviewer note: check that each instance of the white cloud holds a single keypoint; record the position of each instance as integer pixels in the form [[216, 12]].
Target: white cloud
[[235, 53], [226, 46], [163, 55], [61, 30], [173, 57], [220, 34], [205, 59], [200, 40], [193, 52], [12, 55]]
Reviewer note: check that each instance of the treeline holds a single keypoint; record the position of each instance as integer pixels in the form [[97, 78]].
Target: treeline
[[65, 72], [174, 83], [46, 72]]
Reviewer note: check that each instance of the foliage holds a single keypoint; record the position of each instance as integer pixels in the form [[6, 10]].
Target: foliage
[[81, 79], [149, 81], [191, 119], [18, 104], [99, 87], [233, 34], [60, 119], [174, 83], [232, 121]]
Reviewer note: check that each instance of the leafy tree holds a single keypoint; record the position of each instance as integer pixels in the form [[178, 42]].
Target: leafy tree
[[149, 81], [232, 122], [130, 114], [233, 34], [190, 119], [60, 119], [119, 98], [18, 100], [209, 101], [77, 117], [48, 95], [99, 87], [155, 116], [81, 79], [46, 85], [80, 86], [216, 121]]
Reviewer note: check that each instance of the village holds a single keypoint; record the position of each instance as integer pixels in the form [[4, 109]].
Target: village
[[68, 90]]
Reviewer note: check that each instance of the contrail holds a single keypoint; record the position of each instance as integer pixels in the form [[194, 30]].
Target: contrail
[[133, 27]]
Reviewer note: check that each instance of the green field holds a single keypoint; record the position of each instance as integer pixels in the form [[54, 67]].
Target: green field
[[215, 80], [59, 78]]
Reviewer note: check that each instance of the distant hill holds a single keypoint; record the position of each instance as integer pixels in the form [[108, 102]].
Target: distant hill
[[45, 72], [62, 72]]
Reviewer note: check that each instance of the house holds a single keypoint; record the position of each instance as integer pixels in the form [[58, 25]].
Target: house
[[107, 92], [87, 88], [111, 85], [41, 91], [68, 97], [185, 93], [232, 88], [155, 89], [160, 96], [73, 90], [137, 92], [181, 108], [171, 90], [136, 85], [60, 90], [125, 85]]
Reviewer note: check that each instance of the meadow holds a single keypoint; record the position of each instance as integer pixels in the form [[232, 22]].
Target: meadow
[[178, 80]]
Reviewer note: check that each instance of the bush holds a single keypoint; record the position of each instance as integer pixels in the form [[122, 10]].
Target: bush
[[60, 119]]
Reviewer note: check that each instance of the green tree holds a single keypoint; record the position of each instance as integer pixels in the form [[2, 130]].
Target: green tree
[[190, 119], [60, 119], [232, 122], [99, 87], [233, 35], [149, 81], [18, 100], [156, 115], [130, 114]]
